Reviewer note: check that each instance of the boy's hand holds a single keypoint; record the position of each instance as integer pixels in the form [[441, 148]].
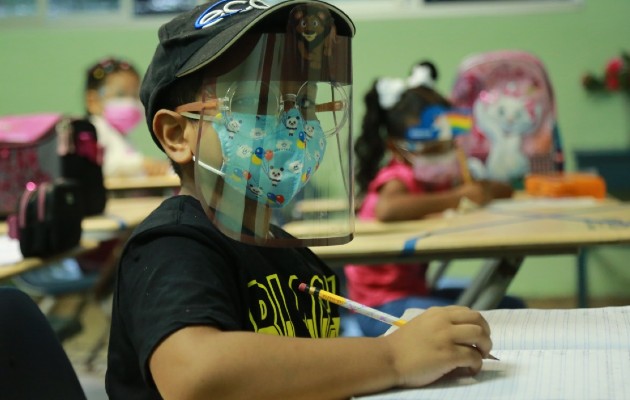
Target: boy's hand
[[437, 342]]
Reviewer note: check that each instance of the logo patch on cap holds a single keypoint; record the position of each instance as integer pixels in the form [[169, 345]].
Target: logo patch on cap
[[224, 8]]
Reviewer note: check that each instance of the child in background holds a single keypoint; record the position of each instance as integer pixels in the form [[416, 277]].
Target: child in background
[[409, 122], [113, 107], [251, 103]]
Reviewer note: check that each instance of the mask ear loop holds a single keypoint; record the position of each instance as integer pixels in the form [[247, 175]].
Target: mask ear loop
[[181, 110], [218, 106], [209, 103]]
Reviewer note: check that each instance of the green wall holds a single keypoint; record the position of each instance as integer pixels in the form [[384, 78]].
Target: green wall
[[42, 70]]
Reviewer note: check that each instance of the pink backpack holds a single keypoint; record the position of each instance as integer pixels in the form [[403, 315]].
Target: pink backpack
[[27, 144], [36, 148], [514, 130]]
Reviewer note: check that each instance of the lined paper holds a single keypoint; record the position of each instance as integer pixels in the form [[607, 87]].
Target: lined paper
[[578, 354], [584, 328]]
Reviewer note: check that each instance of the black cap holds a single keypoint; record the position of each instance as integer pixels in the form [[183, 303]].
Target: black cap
[[195, 38]]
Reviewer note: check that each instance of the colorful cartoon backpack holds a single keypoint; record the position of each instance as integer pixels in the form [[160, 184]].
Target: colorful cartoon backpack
[[514, 131]]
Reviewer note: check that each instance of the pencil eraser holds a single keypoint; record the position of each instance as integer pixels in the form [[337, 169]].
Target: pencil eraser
[[302, 286]]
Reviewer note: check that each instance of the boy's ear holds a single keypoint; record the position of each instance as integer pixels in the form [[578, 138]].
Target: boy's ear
[[170, 130]]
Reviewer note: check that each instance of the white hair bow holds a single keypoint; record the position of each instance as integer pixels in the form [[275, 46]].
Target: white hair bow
[[390, 89]]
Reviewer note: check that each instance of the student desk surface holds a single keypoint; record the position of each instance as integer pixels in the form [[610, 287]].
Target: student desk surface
[[505, 228], [16, 266], [121, 215], [504, 232], [145, 182]]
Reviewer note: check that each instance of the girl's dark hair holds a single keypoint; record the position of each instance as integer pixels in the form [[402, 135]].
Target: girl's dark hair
[[380, 124], [96, 74], [370, 145]]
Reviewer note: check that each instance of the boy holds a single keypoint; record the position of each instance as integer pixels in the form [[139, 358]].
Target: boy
[[249, 101]]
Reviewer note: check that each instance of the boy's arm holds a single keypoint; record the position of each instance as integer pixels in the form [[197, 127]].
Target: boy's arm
[[204, 362]]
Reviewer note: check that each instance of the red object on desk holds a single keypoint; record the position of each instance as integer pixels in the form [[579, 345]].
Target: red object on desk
[[565, 185]]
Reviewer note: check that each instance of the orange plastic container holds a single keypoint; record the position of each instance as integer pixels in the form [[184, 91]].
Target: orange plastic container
[[565, 185]]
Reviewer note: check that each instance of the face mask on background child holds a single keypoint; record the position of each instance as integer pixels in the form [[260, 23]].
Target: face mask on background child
[[124, 114], [436, 168]]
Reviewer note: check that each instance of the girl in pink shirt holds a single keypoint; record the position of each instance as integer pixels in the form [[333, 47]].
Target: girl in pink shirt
[[410, 129]]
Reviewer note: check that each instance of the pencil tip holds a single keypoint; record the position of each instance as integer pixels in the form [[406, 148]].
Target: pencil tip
[[491, 357]]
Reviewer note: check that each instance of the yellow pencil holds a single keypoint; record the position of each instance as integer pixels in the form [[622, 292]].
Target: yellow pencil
[[358, 307], [352, 305]]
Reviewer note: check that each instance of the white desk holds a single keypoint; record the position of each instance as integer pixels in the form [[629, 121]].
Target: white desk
[[120, 216], [580, 354], [170, 181], [20, 265]]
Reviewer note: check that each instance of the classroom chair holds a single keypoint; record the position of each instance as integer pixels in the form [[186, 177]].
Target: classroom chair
[[33, 364], [51, 283]]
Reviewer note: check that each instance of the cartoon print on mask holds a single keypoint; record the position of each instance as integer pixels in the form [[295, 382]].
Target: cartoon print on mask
[[244, 151], [275, 175], [269, 167], [314, 31], [233, 126], [256, 190], [295, 167], [301, 142], [291, 121], [309, 130], [283, 145]]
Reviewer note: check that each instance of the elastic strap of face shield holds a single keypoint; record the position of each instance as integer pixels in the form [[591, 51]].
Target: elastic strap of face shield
[[266, 73]]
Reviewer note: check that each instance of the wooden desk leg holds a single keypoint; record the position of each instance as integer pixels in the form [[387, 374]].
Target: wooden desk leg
[[489, 286], [582, 280]]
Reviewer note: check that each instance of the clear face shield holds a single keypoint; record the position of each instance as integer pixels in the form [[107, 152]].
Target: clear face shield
[[274, 146]]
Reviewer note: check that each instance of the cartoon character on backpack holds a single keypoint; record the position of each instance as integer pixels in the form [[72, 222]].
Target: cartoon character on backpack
[[506, 116], [514, 120]]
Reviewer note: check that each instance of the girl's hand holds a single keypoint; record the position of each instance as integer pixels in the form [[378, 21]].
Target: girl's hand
[[476, 192]]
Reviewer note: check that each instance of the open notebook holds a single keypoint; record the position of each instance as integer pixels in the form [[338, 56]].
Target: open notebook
[[578, 354]]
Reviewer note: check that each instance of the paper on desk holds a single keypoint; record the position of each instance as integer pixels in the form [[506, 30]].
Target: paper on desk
[[580, 354], [533, 329], [534, 375], [9, 251]]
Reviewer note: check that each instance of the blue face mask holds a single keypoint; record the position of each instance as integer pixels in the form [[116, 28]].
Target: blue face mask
[[270, 159]]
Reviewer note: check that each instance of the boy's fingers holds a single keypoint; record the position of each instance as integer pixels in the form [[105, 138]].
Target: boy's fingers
[[472, 336], [468, 316], [468, 357]]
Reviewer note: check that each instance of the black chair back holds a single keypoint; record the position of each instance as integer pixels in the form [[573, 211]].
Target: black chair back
[[33, 364]]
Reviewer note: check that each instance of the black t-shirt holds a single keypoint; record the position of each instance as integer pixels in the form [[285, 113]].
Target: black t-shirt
[[178, 270]]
